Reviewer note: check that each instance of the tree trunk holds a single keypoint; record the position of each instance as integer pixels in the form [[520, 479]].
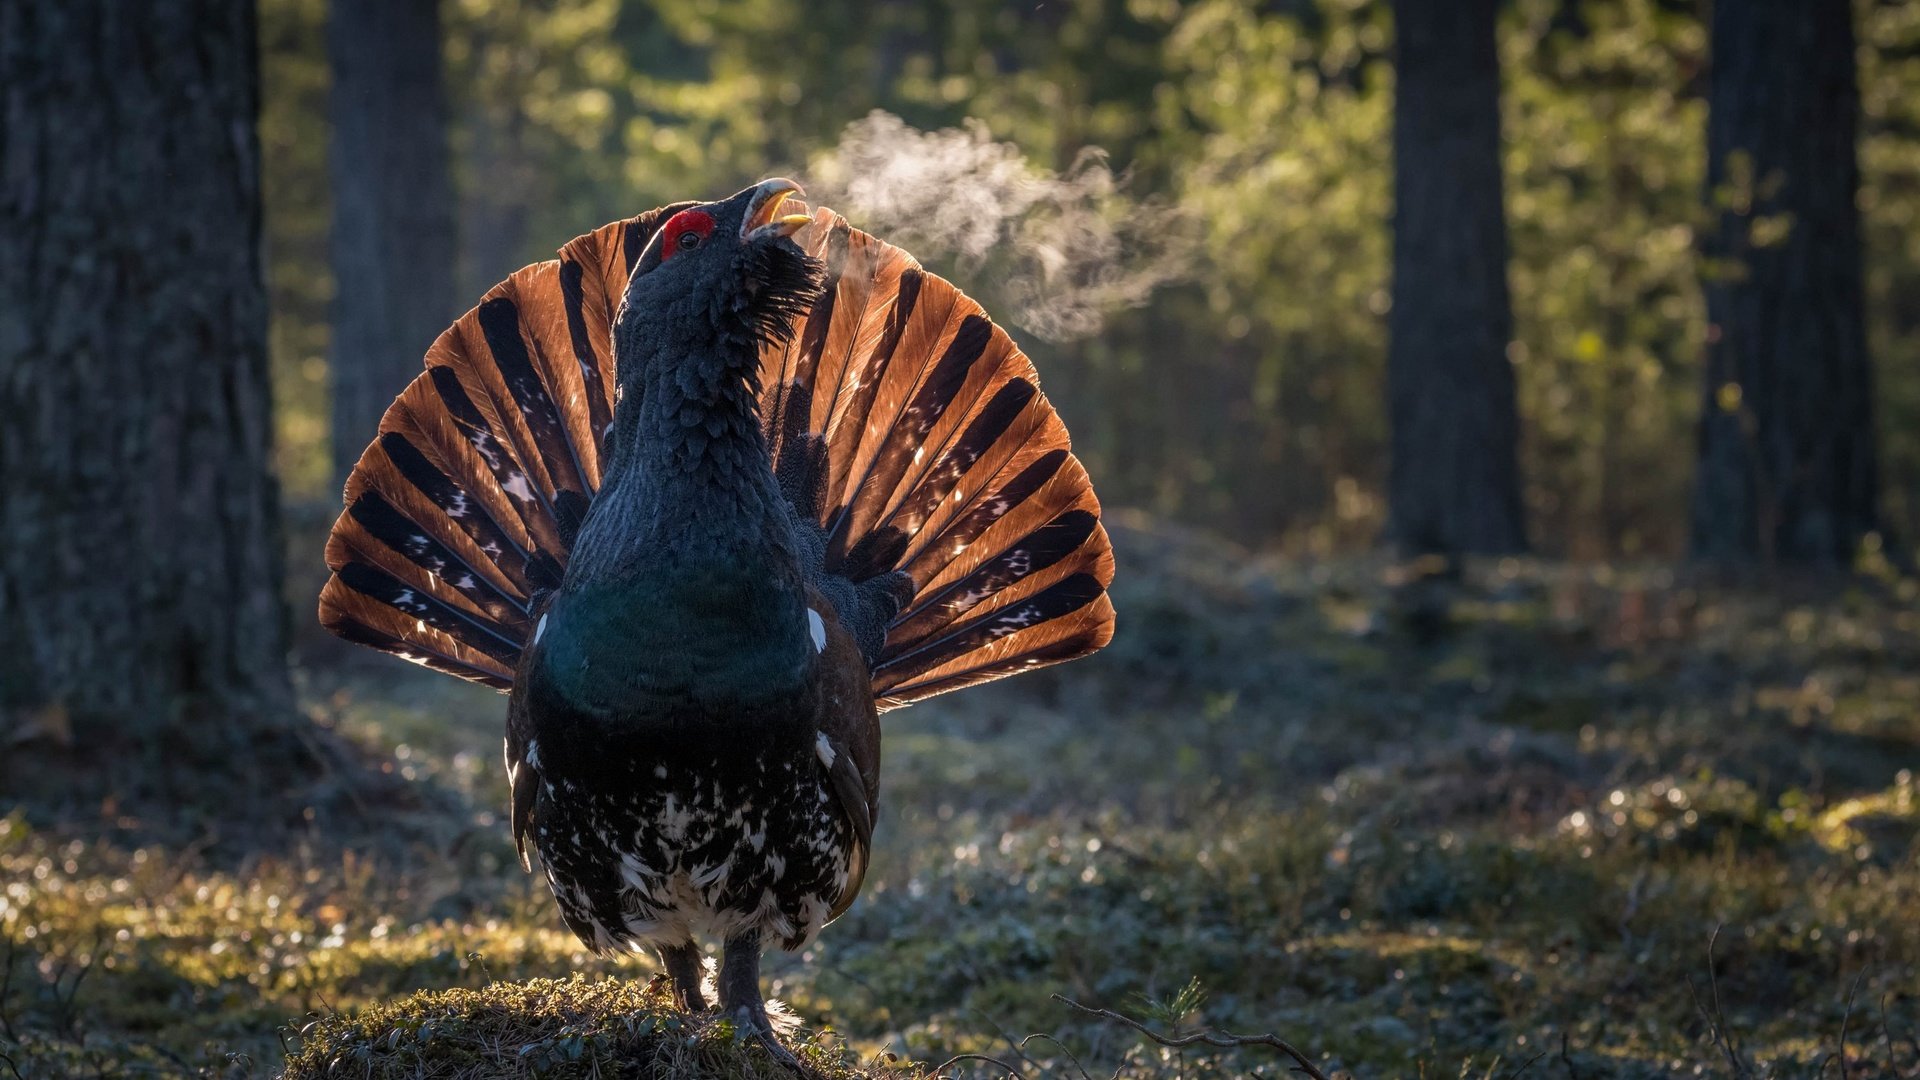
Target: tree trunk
[[1787, 468], [141, 623], [393, 212], [1454, 484]]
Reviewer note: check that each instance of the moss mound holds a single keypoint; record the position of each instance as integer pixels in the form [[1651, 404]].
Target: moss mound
[[557, 1028]]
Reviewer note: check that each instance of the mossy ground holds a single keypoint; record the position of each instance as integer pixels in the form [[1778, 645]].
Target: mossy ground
[[1416, 831], [556, 1028]]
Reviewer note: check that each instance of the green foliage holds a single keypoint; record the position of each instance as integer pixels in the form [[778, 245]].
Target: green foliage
[[1890, 212], [1605, 158], [293, 159], [1280, 137], [1176, 1008]]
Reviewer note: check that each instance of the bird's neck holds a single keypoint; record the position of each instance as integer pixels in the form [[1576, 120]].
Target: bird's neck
[[689, 464], [685, 579]]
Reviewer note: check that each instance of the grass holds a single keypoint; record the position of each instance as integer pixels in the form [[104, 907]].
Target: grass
[[1414, 828]]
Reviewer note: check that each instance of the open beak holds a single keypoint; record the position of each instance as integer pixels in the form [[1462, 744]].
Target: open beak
[[773, 211]]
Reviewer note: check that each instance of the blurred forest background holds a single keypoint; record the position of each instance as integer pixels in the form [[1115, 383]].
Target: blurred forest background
[[1248, 396], [1617, 301]]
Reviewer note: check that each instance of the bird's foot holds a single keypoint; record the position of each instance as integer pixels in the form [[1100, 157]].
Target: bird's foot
[[750, 1022]]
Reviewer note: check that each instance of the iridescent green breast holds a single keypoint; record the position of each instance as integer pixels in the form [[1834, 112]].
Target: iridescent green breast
[[707, 634]]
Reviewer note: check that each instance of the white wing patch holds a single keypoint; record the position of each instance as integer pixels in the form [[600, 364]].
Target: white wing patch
[[825, 749], [539, 629], [818, 628]]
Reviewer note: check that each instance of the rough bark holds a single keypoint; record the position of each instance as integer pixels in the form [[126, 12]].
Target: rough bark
[[393, 212], [1453, 484], [141, 624], [1787, 465]]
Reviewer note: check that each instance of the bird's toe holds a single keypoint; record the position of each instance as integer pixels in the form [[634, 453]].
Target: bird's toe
[[752, 1024]]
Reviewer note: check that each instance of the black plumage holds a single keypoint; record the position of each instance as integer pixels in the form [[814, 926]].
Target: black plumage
[[706, 494]]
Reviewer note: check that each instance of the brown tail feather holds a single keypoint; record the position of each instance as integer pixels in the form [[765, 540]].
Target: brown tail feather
[[369, 621], [980, 657]]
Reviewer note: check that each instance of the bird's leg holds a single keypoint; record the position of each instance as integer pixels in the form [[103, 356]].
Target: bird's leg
[[740, 999], [683, 964]]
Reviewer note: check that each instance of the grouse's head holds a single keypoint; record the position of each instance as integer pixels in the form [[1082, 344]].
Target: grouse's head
[[728, 267]]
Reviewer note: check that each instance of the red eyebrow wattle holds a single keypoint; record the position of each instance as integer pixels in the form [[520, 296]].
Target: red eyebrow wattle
[[686, 221]]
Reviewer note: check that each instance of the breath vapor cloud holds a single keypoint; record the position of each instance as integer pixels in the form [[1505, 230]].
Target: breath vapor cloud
[[1054, 252]]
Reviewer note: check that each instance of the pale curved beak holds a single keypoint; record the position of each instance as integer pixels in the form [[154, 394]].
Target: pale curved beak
[[773, 211]]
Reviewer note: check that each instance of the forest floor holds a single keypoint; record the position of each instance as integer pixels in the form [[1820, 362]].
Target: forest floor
[[1571, 822]]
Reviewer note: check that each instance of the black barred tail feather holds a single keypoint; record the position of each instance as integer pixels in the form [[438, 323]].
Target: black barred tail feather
[[902, 421]]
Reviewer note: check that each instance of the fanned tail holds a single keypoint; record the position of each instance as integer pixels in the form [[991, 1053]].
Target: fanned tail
[[906, 427]]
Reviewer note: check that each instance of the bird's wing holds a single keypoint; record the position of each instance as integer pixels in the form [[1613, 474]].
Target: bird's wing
[[958, 538], [849, 742], [523, 775]]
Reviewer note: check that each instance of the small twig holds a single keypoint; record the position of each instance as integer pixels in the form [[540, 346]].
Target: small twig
[[1893, 1045], [988, 1058], [6, 992], [1081, 1069], [11, 1067], [1019, 1048], [1567, 1059], [1224, 1041], [1845, 1017], [1717, 1027], [1522, 1070], [1713, 984], [1738, 1071], [66, 1011]]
